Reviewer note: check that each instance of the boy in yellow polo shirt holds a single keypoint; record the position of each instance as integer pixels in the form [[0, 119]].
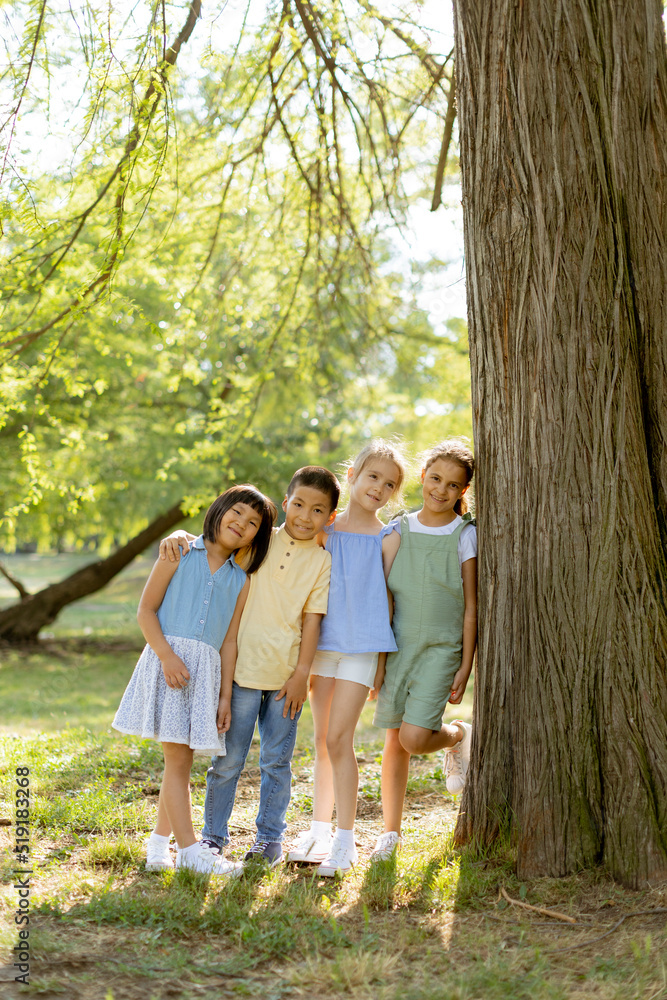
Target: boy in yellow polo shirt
[[277, 640]]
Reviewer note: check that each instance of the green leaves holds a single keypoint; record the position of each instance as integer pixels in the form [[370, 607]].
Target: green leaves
[[200, 290]]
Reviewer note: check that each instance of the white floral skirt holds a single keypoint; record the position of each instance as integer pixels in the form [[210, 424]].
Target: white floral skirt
[[151, 709]]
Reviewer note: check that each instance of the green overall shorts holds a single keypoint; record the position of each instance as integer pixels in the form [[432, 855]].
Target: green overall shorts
[[425, 580]]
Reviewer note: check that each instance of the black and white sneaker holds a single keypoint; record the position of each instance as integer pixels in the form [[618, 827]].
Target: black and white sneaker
[[268, 852]]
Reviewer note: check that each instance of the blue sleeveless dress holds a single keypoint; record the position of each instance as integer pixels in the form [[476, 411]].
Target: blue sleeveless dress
[[357, 618], [194, 616]]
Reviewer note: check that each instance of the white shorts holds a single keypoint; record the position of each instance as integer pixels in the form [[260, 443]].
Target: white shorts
[[357, 667]]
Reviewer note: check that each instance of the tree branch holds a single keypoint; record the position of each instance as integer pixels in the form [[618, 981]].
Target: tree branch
[[14, 582], [22, 622], [444, 149]]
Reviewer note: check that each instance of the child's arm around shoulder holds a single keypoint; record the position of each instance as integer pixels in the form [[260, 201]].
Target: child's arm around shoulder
[[170, 547], [321, 536], [175, 671], [228, 654]]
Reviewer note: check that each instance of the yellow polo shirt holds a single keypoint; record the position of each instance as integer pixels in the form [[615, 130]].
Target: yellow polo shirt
[[292, 580]]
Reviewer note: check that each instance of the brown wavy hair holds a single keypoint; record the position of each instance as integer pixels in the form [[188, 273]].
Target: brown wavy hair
[[453, 450]]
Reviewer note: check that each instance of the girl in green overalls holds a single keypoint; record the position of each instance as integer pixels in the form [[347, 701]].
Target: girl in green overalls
[[432, 576]]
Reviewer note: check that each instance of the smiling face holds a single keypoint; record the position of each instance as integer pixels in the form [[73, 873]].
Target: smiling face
[[444, 483], [307, 511], [375, 483], [238, 526]]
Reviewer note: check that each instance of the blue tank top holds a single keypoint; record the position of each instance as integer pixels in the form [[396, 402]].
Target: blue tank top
[[357, 618], [199, 604]]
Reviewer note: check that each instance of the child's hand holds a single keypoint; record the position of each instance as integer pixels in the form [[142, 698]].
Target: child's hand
[[458, 686], [377, 683], [295, 692], [170, 548], [175, 672], [224, 719]]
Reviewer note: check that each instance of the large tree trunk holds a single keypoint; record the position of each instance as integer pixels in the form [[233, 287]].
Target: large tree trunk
[[22, 622], [563, 123]]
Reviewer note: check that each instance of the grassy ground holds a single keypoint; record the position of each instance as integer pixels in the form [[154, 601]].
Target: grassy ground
[[433, 927]]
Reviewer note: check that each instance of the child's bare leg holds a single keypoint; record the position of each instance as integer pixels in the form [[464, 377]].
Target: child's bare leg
[[415, 739], [321, 694], [348, 700], [162, 826], [175, 792], [395, 769]]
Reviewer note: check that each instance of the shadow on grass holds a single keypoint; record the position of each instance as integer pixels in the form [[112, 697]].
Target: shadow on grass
[[254, 919], [384, 886], [378, 888]]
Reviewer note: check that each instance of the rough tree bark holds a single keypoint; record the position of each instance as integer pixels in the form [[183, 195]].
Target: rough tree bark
[[563, 121], [22, 622]]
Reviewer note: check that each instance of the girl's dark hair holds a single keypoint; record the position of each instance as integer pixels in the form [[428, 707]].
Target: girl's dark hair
[[254, 553], [453, 450]]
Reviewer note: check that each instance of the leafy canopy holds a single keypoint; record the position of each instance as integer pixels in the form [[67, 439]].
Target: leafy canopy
[[200, 287]]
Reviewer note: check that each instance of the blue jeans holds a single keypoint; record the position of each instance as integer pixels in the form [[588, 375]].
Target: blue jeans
[[276, 746]]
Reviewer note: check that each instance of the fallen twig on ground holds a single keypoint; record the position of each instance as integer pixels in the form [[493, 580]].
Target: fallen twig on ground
[[584, 944], [538, 909]]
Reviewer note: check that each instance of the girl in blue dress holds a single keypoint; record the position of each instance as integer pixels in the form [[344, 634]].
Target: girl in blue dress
[[354, 639], [180, 691]]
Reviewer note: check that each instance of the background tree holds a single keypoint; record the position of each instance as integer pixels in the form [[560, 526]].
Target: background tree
[[563, 122], [204, 292]]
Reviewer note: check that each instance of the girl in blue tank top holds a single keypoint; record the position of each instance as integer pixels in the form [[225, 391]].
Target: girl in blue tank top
[[355, 638], [180, 691]]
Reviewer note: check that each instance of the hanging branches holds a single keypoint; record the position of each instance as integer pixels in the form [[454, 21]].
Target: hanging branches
[[298, 93], [12, 118], [119, 179]]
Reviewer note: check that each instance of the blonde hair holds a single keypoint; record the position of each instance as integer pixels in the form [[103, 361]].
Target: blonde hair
[[387, 450], [453, 450]]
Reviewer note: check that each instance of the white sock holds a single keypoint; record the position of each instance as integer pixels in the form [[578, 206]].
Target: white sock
[[320, 829], [159, 840], [192, 849], [345, 837]]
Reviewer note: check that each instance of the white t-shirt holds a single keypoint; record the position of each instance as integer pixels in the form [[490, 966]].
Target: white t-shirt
[[467, 546]]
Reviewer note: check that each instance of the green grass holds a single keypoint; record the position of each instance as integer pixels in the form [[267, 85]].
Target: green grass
[[430, 925], [427, 926], [55, 687]]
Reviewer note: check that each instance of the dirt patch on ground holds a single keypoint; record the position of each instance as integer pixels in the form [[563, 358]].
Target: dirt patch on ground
[[427, 808]]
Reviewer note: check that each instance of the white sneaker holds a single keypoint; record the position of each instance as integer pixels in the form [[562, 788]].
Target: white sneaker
[[158, 858], [386, 846], [457, 759], [310, 849], [340, 859], [208, 861]]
